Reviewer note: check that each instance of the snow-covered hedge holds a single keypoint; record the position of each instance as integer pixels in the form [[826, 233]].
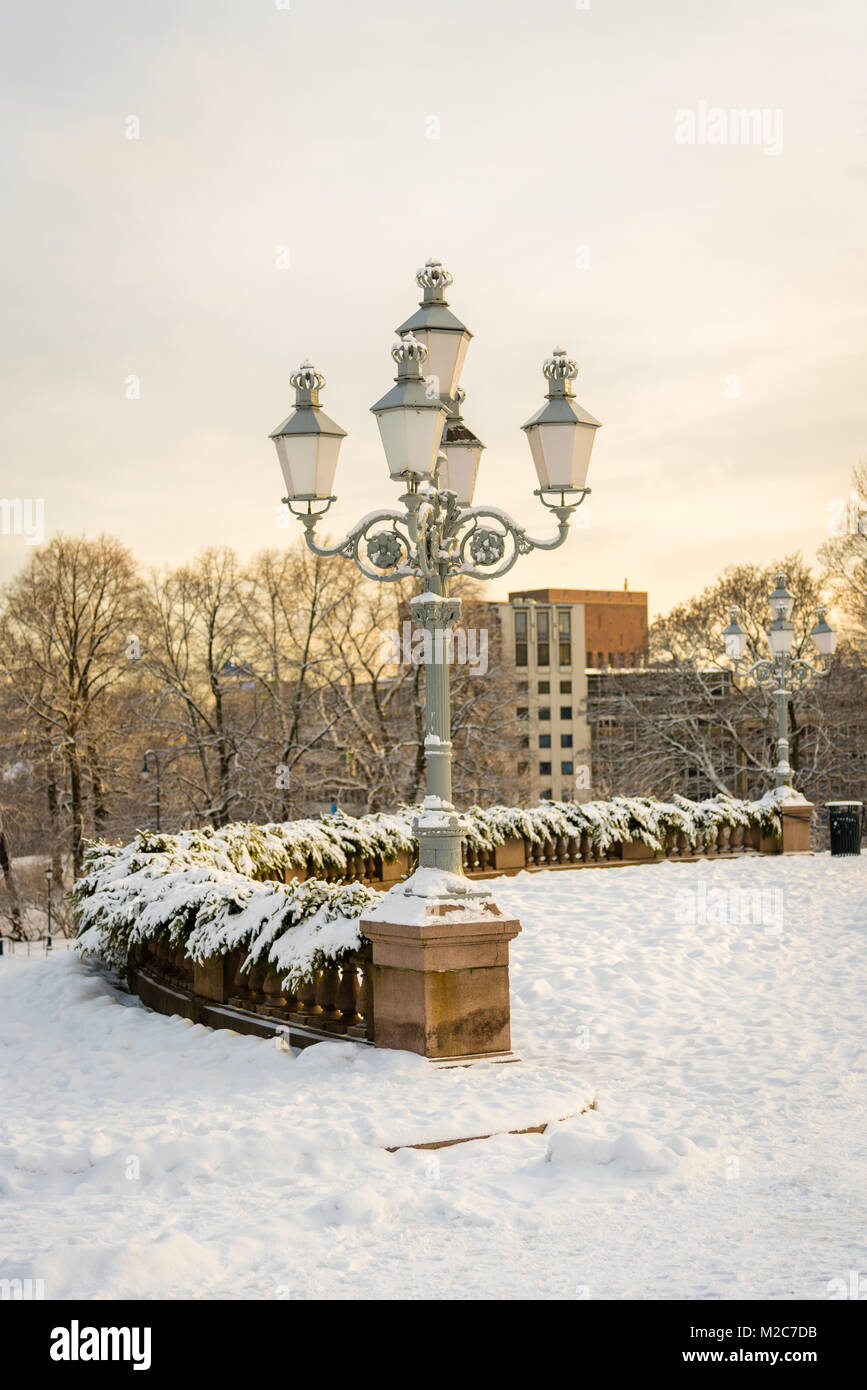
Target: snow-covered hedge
[[212, 891], [194, 897], [621, 820]]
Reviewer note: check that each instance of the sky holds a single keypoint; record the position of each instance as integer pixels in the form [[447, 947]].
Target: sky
[[713, 294]]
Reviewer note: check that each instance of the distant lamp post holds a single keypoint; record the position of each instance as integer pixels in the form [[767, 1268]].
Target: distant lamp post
[[782, 673], [145, 767], [48, 877], [436, 534]]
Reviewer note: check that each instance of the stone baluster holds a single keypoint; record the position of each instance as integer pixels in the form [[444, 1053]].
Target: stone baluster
[[272, 989], [327, 985], [347, 994], [737, 839], [364, 1001], [308, 1011]]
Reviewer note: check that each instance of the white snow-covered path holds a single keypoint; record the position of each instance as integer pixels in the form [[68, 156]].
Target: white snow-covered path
[[726, 1155]]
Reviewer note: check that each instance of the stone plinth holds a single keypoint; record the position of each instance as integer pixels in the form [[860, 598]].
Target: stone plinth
[[441, 981], [796, 827]]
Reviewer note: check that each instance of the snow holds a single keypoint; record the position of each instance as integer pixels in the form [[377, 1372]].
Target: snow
[[726, 1156], [411, 902]]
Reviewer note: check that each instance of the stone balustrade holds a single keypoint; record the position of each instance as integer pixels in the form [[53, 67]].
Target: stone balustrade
[[336, 1003]]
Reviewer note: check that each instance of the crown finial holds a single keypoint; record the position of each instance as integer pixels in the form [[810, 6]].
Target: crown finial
[[559, 367], [306, 378], [433, 275], [409, 349]]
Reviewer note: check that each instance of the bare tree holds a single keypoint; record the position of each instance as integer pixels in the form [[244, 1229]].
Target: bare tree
[[62, 650]]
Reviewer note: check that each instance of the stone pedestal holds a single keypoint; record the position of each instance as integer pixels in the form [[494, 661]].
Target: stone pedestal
[[441, 981], [796, 827]]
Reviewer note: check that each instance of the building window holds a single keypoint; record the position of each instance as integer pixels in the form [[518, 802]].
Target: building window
[[544, 687], [565, 687], [610, 658], [565, 711], [543, 637], [521, 637], [546, 795], [525, 741], [589, 661], [565, 740], [564, 636], [523, 712], [566, 769], [601, 661], [523, 769], [545, 769], [544, 740], [544, 712], [523, 687]]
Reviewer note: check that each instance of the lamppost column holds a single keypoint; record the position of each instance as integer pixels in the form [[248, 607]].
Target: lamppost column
[[438, 827], [783, 772]]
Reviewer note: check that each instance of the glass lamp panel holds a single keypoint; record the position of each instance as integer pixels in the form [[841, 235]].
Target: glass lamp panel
[[561, 453], [458, 473], [736, 645], [445, 359], [825, 639], [326, 463], [411, 439], [780, 638], [298, 454]]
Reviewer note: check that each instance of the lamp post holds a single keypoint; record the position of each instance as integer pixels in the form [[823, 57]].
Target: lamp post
[[781, 673], [436, 534], [151, 753], [48, 877]]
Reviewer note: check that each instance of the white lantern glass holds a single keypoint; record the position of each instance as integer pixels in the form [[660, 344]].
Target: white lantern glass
[[447, 351], [825, 639], [561, 453], [459, 470], [308, 463], [411, 439], [781, 635], [736, 645]]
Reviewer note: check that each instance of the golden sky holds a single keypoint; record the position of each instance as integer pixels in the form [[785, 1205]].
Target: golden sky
[[712, 293]]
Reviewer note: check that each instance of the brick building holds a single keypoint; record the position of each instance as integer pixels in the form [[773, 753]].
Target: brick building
[[552, 637]]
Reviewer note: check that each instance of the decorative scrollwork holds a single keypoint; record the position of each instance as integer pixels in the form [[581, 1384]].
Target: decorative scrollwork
[[487, 547], [385, 550], [435, 538]]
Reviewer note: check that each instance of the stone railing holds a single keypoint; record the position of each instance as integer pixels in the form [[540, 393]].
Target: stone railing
[[336, 1003], [578, 852]]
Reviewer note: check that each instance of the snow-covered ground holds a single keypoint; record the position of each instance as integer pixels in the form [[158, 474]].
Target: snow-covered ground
[[726, 1155]]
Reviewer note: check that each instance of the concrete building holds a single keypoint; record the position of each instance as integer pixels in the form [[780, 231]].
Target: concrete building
[[552, 637]]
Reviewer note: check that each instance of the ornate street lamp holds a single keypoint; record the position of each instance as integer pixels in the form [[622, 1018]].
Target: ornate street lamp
[[782, 672], [437, 534]]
